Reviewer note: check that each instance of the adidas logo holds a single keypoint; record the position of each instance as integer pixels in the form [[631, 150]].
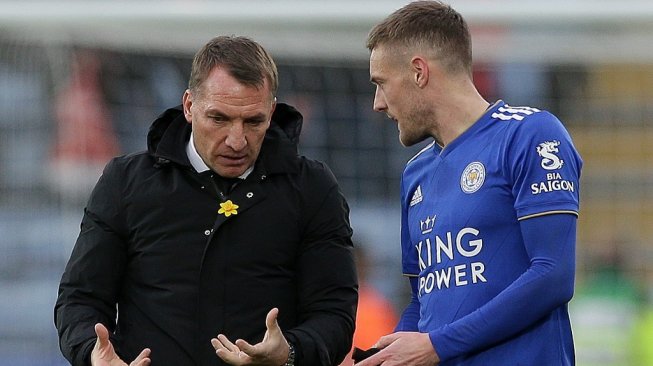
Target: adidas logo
[[417, 196]]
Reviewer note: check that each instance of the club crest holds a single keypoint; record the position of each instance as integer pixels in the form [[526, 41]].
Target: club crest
[[473, 177]]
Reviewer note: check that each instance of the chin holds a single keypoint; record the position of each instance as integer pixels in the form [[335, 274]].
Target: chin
[[229, 172], [408, 141], [232, 174]]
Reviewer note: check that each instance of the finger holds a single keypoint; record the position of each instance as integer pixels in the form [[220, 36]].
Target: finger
[[228, 356], [142, 359], [230, 346], [216, 344], [232, 355], [222, 342], [271, 320], [221, 350], [143, 362], [385, 341], [249, 349], [102, 336]]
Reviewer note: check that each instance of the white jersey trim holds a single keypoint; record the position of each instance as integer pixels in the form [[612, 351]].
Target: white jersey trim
[[421, 151], [507, 113], [547, 213]]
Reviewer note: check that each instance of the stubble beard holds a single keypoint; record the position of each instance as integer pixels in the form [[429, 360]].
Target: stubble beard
[[419, 121]]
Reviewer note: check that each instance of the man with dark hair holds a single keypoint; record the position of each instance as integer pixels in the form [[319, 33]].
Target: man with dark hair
[[489, 208], [220, 231]]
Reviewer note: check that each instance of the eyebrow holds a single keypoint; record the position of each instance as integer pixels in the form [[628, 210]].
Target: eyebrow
[[254, 118], [375, 80]]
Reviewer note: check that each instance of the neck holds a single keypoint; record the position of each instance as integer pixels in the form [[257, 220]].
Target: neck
[[461, 108]]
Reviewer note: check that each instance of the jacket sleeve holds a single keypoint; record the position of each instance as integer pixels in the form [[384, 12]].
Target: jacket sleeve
[[89, 285], [326, 276]]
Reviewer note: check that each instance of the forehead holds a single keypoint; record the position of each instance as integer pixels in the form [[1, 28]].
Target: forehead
[[384, 60], [377, 57], [220, 83], [377, 69]]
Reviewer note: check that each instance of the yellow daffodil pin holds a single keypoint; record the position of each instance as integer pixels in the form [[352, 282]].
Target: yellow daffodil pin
[[228, 208]]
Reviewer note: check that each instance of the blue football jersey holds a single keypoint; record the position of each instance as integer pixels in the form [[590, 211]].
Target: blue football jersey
[[461, 212]]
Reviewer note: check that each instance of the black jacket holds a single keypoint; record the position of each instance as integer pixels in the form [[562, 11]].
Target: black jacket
[[152, 242]]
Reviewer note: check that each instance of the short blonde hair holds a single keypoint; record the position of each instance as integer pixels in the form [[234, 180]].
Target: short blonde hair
[[429, 25]]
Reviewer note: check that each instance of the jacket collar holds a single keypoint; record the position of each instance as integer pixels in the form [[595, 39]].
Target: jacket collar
[[170, 132]]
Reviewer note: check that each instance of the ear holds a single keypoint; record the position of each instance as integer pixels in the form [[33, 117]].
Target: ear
[[420, 71], [186, 103], [274, 107]]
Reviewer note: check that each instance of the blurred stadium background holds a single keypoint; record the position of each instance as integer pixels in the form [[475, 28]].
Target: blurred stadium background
[[80, 81]]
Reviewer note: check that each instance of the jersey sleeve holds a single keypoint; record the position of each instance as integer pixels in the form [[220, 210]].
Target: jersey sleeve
[[550, 243], [409, 261], [408, 322], [544, 167]]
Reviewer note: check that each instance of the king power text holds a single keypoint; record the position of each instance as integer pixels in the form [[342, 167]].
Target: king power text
[[431, 253]]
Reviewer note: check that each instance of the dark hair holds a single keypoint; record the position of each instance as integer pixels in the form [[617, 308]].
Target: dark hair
[[427, 25], [244, 59]]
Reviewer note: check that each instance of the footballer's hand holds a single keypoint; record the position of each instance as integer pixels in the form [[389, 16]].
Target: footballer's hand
[[271, 351], [103, 353], [403, 348]]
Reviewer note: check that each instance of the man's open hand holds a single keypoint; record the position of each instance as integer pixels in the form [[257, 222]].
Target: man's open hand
[[103, 353], [271, 351]]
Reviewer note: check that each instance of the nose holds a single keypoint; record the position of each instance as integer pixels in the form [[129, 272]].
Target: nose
[[236, 139], [379, 100]]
